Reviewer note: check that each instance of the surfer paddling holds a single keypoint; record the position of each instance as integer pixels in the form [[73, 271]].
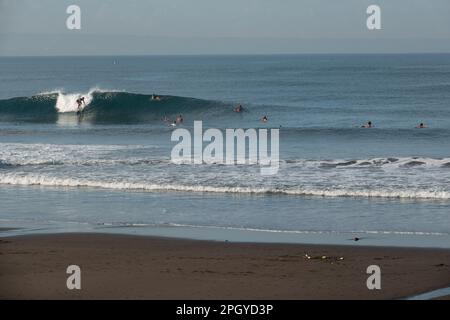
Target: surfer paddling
[[421, 126], [238, 109], [367, 125], [178, 120], [155, 97]]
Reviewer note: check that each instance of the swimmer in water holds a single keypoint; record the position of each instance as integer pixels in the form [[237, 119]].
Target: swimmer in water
[[238, 109], [179, 119], [264, 119], [421, 126], [155, 97], [368, 125], [165, 119]]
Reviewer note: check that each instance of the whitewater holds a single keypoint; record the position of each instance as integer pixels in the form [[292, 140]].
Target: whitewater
[[118, 167]]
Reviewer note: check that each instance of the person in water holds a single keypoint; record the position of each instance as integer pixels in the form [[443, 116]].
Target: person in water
[[156, 97], [421, 126], [368, 125], [264, 119], [238, 109], [179, 119], [80, 101]]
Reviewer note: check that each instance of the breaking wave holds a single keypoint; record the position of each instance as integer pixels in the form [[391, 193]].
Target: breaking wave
[[21, 154], [102, 106], [37, 180]]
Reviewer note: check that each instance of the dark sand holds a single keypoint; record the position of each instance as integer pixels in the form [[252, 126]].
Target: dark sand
[[128, 267]]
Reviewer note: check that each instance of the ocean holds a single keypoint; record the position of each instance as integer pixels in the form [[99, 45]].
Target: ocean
[[110, 170]]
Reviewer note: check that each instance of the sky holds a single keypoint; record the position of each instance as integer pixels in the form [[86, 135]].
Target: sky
[[115, 27]]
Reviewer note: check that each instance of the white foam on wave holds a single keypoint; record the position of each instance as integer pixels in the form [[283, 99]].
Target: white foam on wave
[[29, 180], [414, 233], [351, 232], [86, 162], [67, 102], [21, 154], [386, 163], [42, 154]]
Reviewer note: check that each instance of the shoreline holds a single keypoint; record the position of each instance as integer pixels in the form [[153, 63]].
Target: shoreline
[[380, 239], [118, 266]]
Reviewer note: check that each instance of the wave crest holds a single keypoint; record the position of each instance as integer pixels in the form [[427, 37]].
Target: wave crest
[[102, 106], [119, 185]]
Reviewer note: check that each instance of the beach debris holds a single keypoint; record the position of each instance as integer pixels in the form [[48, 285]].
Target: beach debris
[[331, 259]]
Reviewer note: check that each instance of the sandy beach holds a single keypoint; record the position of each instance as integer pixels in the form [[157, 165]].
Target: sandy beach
[[131, 267]]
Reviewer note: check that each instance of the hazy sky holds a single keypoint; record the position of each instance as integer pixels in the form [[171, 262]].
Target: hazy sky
[[38, 27]]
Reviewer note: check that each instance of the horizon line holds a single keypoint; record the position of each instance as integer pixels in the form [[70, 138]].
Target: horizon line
[[223, 54]]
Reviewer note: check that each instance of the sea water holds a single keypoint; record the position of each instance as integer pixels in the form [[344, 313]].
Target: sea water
[[109, 168]]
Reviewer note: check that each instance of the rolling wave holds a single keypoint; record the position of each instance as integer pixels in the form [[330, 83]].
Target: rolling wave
[[40, 180], [103, 106], [22, 154]]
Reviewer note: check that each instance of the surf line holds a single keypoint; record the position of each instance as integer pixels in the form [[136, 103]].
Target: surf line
[[242, 147], [429, 295]]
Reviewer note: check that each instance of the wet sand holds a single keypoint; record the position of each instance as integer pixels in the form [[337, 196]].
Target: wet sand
[[132, 267]]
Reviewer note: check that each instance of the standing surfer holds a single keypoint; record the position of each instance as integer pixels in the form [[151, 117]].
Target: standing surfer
[[80, 101]]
